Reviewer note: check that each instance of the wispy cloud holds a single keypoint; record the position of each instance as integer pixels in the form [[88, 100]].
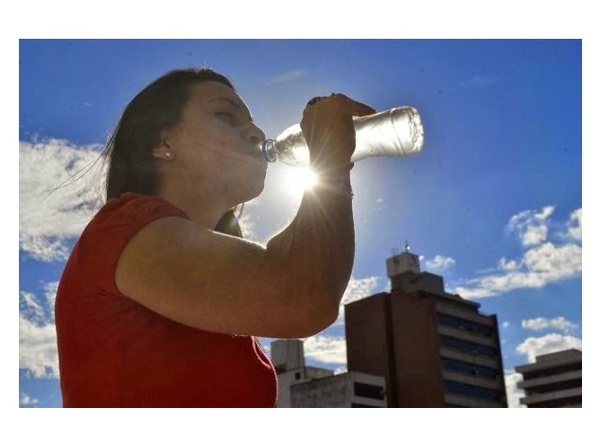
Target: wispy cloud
[[480, 81], [57, 196], [287, 77], [543, 261]]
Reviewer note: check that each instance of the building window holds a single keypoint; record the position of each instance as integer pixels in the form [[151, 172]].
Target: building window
[[368, 391], [297, 375], [571, 402], [572, 367], [452, 405], [553, 387], [450, 364], [466, 325], [466, 390], [468, 346]]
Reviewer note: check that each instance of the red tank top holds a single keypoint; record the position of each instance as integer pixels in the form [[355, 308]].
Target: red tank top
[[114, 352]]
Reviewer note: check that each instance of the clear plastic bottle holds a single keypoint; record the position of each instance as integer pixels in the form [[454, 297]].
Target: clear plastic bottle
[[395, 132]]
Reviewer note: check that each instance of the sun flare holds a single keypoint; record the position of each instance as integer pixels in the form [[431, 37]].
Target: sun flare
[[300, 179]]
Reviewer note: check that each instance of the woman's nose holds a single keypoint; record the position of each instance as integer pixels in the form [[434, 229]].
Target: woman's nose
[[256, 134]]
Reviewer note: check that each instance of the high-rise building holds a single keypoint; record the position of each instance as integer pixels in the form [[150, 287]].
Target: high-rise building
[[434, 349], [553, 381]]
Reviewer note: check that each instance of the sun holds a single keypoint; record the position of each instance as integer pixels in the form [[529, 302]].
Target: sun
[[300, 179]]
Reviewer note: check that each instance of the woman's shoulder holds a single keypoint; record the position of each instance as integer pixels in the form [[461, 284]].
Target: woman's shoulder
[[125, 215], [133, 206], [113, 226]]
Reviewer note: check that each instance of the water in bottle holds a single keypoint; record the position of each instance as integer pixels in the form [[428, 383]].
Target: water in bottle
[[395, 132]]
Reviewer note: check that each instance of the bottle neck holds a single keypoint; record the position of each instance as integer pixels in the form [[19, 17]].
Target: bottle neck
[[267, 148]]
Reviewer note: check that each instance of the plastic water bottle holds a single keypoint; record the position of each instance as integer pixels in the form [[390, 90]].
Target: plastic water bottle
[[395, 132]]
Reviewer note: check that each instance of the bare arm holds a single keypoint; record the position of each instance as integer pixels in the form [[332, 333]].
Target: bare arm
[[290, 288]]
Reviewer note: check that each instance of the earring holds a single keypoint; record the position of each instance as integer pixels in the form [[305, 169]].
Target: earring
[[168, 155]]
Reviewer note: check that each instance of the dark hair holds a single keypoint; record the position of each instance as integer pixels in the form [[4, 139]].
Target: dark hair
[[158, 106]]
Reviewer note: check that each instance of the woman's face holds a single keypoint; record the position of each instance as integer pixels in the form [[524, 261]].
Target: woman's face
[[214, 145]]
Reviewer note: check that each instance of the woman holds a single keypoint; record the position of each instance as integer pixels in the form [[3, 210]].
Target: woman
[[155, 307]]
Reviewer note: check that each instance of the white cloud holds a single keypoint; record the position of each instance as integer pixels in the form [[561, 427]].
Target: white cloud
[[542, 263], [534, 235], [507, 265], [326, 349], [534, 346], [28, 304], [37, 348], [356, 290], [58, 193], [439, 263], [539, 323], [359, 288], [26, 400], [531, 226], [574, 225], [332, 350], [38, 353], [50, 294], [43, 248], [555, 261], [513, 393]]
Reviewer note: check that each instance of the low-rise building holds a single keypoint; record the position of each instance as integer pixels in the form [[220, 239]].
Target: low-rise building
[[301, 386], [553, 381]]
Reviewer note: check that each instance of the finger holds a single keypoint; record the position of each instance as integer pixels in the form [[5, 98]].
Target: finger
[[314, 100], [354, 108], [357, 108]]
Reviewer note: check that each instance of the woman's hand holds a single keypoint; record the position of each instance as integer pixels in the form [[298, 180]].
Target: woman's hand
[[329, 130]]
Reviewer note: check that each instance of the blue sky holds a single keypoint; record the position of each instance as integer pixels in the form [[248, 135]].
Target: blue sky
[[493, 203]]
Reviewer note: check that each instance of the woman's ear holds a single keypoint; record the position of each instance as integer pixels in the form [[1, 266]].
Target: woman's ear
[[163, 151]]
